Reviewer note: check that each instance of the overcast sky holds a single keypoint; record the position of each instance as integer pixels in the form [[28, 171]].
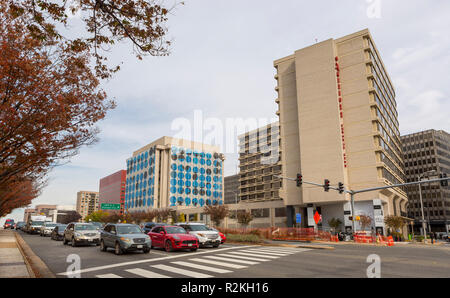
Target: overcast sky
[[222, 64]]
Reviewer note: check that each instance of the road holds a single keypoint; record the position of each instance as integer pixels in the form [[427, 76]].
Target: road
[[245, 261]]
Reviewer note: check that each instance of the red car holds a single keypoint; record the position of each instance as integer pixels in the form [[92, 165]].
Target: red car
[[172, 237], [9, 224]]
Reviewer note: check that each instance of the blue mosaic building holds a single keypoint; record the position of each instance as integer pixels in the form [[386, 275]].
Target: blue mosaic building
[[174, 173]]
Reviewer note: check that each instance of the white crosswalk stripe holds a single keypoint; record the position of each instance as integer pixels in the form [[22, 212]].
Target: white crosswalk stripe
[[146, 273], [253, 255], [264, 252], [201, 267], [275, 250], [181, 271], [109, 275], [235, 266], [243, 257], [231, 260]]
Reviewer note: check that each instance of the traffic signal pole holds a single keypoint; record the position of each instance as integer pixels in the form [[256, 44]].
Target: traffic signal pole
[[354, 192]]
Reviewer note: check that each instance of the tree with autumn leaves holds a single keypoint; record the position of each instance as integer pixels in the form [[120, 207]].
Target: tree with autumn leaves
[[50, 94]]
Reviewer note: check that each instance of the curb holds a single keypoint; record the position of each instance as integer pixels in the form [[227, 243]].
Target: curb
[[35, 265]]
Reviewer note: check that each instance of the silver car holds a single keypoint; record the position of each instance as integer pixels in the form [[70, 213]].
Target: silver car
[[81, 233], [47, 229], [124, 238]]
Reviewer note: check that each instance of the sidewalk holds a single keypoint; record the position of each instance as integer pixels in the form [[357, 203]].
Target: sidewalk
[[12, 263]]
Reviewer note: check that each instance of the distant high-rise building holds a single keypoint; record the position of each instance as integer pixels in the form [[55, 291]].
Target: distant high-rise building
[[112, 190], [174, 173], [87, 203], [259, 163], [338, 121], [427, 155], [231, 187]]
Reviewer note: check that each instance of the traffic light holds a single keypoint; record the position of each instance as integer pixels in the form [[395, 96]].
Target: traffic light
[[443, 182], [326, 185], [299, 180], [341, 187]]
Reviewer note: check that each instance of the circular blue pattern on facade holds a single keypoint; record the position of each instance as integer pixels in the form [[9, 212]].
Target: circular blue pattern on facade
[[180, 190], [173, 189], [188, 159], [188, 176], [174, 167], [187, 191], [194, 201], [201, 202], [195, 169], [180, 168], [173, 182], [180, 175], [195, 184], [202, 171], [208, 193], [187, 201], [180, 182], [220, 202], [173, 174]]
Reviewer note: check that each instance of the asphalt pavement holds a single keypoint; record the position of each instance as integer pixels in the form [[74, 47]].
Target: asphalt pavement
[[243, 261]]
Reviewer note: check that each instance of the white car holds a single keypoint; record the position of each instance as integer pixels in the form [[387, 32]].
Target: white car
[[47, 229], [205, 236]]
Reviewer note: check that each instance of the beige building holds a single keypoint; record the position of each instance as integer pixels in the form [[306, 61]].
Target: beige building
[[87, 202], [174, 173], [338, 121], [42, 209]]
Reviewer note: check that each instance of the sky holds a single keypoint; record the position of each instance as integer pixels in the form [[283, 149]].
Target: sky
[[221, 65]]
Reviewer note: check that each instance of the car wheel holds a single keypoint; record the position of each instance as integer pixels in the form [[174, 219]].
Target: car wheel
[[64, 240], [216, 245], [118, 249], [146, 250], [74, 244], [193, 249], [168, 246], [102, 246]]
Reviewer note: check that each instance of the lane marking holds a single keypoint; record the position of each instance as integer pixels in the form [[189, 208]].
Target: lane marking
[[201, 267], [151, 260], [265, 253], [146, 273], [276, 250], [231, 260], [253, 255], [181, 271], [235, 266], [243, 257], [109, 275]]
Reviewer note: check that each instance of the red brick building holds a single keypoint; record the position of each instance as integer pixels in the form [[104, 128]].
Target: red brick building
[[112, 189]]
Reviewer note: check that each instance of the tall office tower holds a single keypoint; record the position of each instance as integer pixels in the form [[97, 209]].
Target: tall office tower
[[112, 190], [87, 202], [338, 121], [231, 189], [427, 155], [174, 173], [259, 162]]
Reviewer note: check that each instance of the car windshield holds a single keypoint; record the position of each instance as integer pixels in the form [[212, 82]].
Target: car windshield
[[50, 225], [37, 223], [175, 230], [97, 224], [128, 230], [85, 227], [62, 227], [198, 228]]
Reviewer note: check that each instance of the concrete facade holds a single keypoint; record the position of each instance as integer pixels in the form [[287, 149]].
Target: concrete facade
[[174, 173], [87, 202], [424, 152], [338, 120]]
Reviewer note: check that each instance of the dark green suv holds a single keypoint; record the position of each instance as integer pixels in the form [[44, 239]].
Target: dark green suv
[[124, 238]]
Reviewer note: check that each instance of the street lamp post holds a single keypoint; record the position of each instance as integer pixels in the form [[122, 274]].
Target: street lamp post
[[421, 202]]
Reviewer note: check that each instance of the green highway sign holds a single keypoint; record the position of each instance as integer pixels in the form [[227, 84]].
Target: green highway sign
[[108, 206]]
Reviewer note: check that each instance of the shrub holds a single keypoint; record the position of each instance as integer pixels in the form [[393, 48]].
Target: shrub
[[244, 238]]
